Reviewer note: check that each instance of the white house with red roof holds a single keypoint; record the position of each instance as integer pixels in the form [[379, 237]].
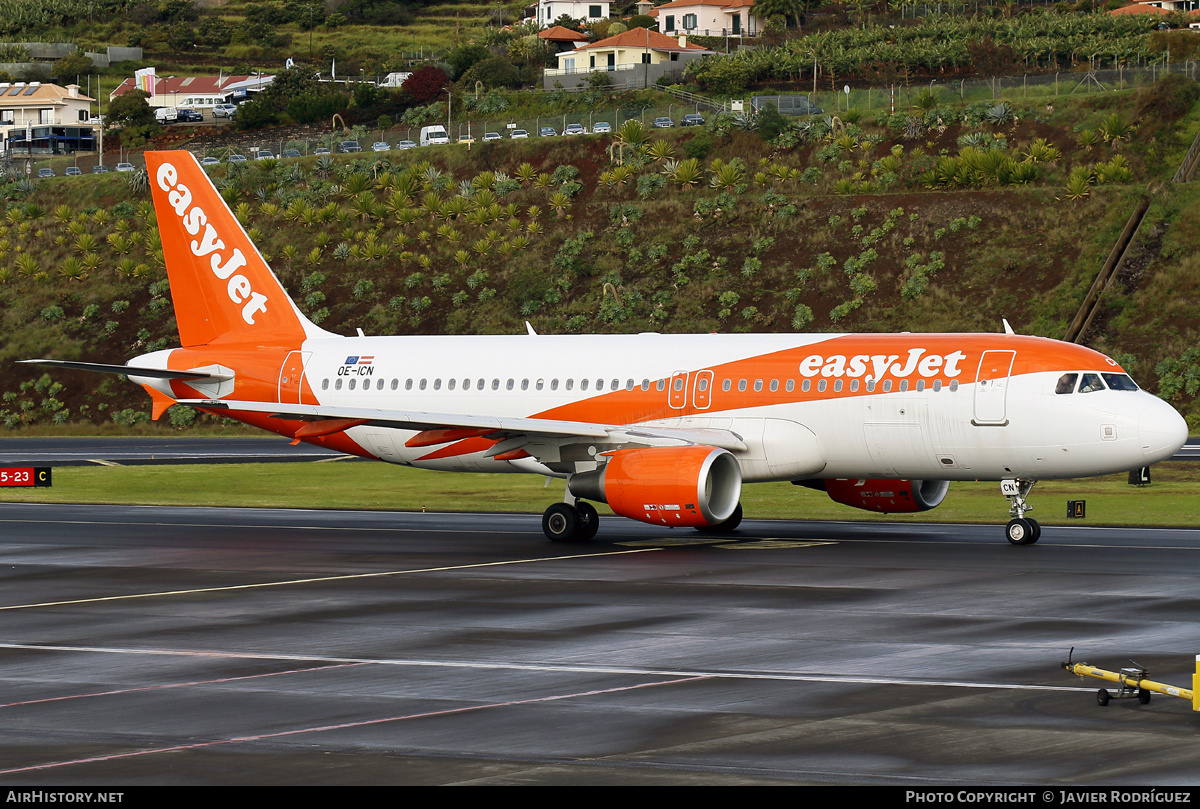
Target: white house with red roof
[[707, 18], [587, 10], [635, 58], [197, 92]]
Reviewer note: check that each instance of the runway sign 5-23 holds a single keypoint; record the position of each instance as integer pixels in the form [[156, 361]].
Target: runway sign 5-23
[[25, 476]]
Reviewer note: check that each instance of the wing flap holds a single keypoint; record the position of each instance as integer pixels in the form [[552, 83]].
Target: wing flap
[[408, 420], [444, 427]]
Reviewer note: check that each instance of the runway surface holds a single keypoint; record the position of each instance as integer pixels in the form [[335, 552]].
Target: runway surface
[[138, 450], [134, 450], [253, 646]]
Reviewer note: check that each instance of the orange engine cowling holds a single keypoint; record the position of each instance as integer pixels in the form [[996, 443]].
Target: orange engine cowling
[[888, 496], [687, 486]]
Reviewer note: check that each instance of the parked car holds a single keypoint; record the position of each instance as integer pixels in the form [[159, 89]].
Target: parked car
[[692, 119], [320, 150], [46, 173], [73, 171], [210, 161], [263, 154], [381, 146], [519, 133], [663, 123], [406, 144], [99, 169], [490, 136], [465, 139], [225, 110], [291, 153], [233, 158], [547, 132], [187, 116], [575, 129], [125, 167], [601, 128], [166, 115], [349, 146]]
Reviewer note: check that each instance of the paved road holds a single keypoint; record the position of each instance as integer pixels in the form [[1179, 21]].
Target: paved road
[[257, 646]]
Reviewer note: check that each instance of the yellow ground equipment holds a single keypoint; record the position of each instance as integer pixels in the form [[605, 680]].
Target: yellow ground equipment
[[1134, 683]]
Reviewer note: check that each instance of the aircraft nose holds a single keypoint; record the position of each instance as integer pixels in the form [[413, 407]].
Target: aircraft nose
[[1161, 430]]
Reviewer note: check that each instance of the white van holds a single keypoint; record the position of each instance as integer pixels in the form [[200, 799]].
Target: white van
[[166, 115], [434, 136]]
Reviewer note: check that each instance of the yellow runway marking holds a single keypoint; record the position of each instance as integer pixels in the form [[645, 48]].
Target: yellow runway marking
[[771, 544]]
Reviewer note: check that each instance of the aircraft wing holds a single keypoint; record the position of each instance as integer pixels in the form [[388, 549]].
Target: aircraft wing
[[445, 427]]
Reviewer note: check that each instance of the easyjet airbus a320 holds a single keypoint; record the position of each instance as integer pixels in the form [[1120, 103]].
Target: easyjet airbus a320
[[663, 428]]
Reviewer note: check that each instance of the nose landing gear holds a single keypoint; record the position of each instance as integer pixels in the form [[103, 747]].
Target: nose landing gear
[[1020, 530]]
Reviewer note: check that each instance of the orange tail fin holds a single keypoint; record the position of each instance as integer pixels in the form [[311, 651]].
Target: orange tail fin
[[222, 288]]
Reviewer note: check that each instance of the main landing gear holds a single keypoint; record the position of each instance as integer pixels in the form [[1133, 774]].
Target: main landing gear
[[563, 522], [1021, 530]]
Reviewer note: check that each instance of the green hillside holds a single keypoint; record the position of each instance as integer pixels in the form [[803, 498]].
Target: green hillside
[[948, 219]]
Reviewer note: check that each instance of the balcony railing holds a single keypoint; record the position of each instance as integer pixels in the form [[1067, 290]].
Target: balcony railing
[[573, 71]]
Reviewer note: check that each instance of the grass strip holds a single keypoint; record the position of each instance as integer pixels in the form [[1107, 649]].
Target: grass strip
[[1169, 501]]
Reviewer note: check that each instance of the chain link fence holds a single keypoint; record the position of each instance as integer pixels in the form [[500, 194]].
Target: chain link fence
[[251, 146], [1039, 88]]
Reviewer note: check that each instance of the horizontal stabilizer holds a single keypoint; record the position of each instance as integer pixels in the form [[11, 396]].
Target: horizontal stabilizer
[[129, 370]]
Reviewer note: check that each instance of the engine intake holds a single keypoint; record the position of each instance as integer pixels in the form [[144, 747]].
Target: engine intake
[[686, 486], [888, 496]]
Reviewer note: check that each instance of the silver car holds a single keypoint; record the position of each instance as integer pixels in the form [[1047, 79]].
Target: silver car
[[601, 128]]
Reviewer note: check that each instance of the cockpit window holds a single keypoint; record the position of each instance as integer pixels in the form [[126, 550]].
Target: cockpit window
[[1066, 383], [1090, 382], [1119, 382]]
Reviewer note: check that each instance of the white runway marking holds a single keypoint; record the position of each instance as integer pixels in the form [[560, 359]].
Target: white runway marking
[[341, 726], [781, 676], [317, 579]]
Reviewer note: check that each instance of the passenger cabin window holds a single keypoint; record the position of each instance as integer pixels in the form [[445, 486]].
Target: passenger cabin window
[[1066, 383]]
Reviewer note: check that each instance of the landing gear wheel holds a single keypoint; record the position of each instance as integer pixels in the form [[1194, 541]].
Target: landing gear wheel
[[560, 523], [1037, 530], [589, 521], [726, 526], [1102, 697], [1143, 696], [1022, 532]]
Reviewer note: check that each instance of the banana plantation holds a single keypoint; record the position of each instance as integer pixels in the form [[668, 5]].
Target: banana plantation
[[938, 45]]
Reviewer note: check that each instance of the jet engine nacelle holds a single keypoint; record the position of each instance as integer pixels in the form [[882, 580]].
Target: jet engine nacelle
[[690, 486], [888, 496]]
